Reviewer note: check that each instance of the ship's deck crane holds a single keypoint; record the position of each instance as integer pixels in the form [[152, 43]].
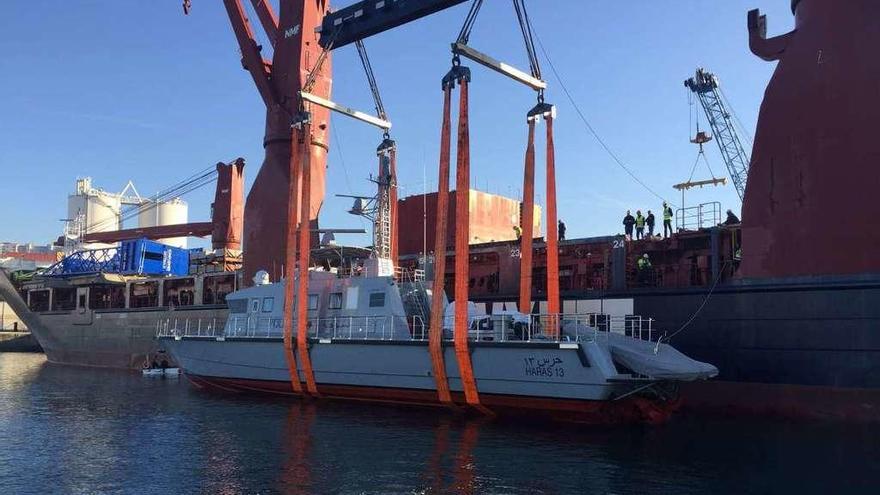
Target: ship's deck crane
[[705, 85]]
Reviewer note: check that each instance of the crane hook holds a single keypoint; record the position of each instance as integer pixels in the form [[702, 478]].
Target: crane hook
[[186, 6]]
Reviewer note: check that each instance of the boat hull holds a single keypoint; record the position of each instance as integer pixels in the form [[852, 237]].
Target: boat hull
[[566, 383]]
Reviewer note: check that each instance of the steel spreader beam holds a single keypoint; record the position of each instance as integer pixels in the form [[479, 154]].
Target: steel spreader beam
[[355, 114], [368, 17], [500, 67]]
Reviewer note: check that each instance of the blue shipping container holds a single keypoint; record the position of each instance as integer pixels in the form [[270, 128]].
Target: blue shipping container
[[146, 257]]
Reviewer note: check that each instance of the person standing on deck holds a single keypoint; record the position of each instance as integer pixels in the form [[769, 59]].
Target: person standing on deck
[[640, 224], [628, 222], [649, 220], [667, 220], [518, 231], [561, 230]]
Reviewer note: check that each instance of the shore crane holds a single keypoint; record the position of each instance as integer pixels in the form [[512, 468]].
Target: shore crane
[[706, 86]]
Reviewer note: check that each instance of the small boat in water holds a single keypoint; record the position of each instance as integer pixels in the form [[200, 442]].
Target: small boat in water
[[160, 367], [368, 340], [161, 372]]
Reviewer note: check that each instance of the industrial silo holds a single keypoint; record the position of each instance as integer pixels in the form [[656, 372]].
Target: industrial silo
[[91, 210], [171, 212]]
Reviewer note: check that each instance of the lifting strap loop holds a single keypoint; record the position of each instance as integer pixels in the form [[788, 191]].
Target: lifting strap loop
[[553, 306], [435, 335], [392, 154], [290, 260], [302, 306], [527, 223], [462, 254]]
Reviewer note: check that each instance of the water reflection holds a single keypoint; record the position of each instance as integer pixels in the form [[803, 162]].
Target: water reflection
[[296, 475], [78, 430]]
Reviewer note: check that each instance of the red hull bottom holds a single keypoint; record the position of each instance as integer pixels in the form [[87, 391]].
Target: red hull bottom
[[781, 400], [626, 411]]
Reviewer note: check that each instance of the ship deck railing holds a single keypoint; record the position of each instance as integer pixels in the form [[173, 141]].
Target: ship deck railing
[[501, 328]]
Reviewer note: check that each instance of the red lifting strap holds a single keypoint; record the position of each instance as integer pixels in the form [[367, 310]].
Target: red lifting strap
[[435, 332], [527, 225], [302, 298], [290, 260], [552, 233], [462, 254], [394, 236]]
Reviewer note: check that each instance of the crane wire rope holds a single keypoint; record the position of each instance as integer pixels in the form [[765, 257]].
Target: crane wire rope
[[697, 312], [465, 33], [371, 80], [590, 128], [525, 25]]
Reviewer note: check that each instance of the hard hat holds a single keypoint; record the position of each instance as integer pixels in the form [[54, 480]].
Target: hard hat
[[645, 255]]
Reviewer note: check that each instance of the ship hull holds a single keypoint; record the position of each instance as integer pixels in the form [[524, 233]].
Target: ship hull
[[792, 348], [573, 389], [110, 338]]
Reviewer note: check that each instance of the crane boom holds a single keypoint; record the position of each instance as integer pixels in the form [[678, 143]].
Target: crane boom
[[705, 85]]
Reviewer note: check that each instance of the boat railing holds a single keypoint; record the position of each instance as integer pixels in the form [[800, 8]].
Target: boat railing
[[403, 274], [558, 327], [504, 327], [340, 327]]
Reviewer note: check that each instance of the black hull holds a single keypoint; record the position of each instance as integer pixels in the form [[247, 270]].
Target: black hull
[[820, 334], [795, 348]]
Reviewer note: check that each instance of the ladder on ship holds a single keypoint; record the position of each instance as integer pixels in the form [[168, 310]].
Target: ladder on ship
[[417, 305]]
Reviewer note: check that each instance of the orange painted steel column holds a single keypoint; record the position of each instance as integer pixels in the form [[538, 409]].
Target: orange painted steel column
[[302, 342], [435, 330], [296, 153], [462, 252], [552, 233], [527, 225]]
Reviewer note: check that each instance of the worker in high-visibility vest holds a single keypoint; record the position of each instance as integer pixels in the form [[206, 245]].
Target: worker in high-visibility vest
[[640, 224], [667, 220], [518, 231], [644, 265]]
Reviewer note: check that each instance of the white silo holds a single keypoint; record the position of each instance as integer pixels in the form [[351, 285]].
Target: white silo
[[91, 210], [171, 212]]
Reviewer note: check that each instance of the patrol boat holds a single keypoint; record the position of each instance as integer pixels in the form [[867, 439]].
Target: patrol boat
[[368, 340]]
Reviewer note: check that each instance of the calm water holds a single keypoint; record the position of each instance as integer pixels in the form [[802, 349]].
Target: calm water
[[77, 430]]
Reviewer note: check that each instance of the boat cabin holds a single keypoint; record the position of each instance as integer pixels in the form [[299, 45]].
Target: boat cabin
[[106, 292]]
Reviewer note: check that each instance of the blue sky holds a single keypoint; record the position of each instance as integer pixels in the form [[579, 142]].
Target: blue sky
[[135, 90]]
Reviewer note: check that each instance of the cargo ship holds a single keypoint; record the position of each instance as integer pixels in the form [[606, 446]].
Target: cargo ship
[[101, 306], [785, 303]]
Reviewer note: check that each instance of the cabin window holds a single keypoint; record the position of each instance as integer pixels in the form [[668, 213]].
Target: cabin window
[[237, 305], [335, 300], [107, 297], [82, 302], [377, 299], [255, 305], [268, 304], [215, 289], [64, 299], [313, 302], [351, 298], [38, 300], [144, 294], [180, 292]]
